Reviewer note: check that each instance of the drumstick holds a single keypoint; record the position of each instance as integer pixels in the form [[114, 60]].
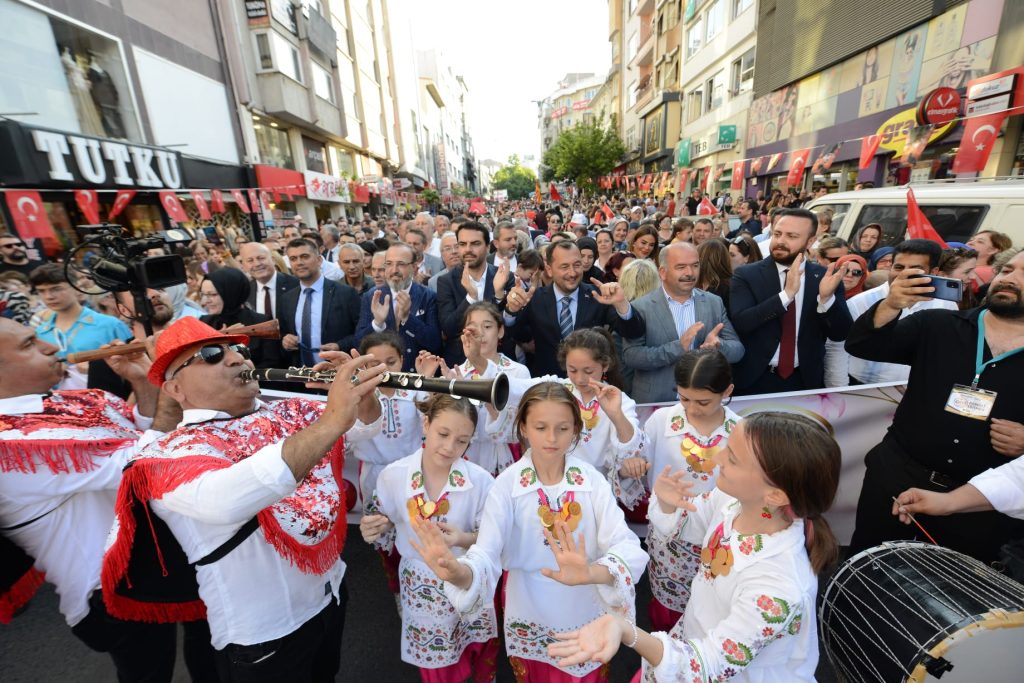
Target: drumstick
[[912, 519]]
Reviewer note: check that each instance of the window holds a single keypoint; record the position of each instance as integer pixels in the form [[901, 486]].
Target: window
[[272, 142], [953, 223], [323, 84], [263, 55], [741, 6], [743, 73], [694, 37], [632, 7], [632, 46], [275, 53], [715, 19], [715, 91], [838, 212], [694, 104], [630, 138], [631, 95]]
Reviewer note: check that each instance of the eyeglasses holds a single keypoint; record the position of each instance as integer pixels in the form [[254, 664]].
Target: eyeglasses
[[213, 354], [12, 245], [397, 264]]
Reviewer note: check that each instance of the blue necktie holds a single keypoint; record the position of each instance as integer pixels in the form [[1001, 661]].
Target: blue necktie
[[565, 318], [307, 328]]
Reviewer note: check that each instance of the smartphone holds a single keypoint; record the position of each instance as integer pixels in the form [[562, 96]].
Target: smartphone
[[946, 288]]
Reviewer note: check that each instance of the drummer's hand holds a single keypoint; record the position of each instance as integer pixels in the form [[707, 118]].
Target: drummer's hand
[[921, 502]]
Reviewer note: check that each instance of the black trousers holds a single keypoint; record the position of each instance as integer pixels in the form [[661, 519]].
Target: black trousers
[[311, 652], [771, 383], [890, 471], [142, 653]]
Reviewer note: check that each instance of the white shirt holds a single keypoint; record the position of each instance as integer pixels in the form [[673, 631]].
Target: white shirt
[[840, 366], [260, 294], [68, 542], [684, 313], [799, 298], [512, 261], [1004, 487], [478, 286], [391, 293], [252, 594], [331, 271]]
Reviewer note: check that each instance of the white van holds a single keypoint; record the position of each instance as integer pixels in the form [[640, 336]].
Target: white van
[[956, 210]]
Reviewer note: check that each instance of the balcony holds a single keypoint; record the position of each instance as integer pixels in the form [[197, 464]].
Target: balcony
[[290, 101], [671, 39], [645, 54], [645, 7], [644, 92]]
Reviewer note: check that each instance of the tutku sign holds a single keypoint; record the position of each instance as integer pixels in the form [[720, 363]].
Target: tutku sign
[[38, 156]]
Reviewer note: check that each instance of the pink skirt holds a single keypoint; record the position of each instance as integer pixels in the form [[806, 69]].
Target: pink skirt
[[532, 671], [478, 664]]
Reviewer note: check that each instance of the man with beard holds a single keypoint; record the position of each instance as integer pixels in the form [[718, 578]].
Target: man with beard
[[679, 317], [783, 309], [402, 305], [962, 414], [267, 284], [14, 255], [475, 280]]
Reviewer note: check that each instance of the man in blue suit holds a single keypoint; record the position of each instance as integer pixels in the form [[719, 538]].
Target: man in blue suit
[[403, 306], [784, 308], [679, 317]]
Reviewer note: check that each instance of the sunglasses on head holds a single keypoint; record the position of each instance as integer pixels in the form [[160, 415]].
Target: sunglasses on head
[[741, 245], [212, 354]]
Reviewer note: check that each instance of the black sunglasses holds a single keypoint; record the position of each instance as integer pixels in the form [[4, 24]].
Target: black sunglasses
[[742, 245], [213, 354]]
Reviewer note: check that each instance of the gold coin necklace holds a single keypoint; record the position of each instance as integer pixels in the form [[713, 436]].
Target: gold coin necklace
[[426, 509], [570, 512]]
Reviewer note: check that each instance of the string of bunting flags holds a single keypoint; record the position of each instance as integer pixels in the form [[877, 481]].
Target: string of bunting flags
[[979, 132]]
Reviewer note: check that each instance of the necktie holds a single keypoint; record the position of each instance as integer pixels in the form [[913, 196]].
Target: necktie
[[268, 306], [787, 346], [565, 318], [307, 328]]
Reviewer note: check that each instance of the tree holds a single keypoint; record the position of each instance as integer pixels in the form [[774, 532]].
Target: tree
[[519, 180], [585, 152]]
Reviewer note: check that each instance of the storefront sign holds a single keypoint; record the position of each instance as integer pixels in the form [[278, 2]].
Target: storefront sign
[[316, 157], [258, 13], [989, 105], [709, 144], [560, 112], [683, 153], [581, 105], [98, 162], [939, 107], [726, 134], [996, 86], [894, 131], [283, 181], [326, 188]]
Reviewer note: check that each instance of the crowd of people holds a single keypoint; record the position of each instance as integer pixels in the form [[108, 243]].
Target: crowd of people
[[500, 527]]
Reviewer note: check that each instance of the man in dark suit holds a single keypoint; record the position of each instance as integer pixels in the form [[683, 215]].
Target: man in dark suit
[[546, 315], [784, 308], [319, 314], [475, 280], [267, 285], [402, 305]]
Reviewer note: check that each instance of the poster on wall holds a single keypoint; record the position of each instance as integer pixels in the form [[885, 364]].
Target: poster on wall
[[772, 116], [906, 67]]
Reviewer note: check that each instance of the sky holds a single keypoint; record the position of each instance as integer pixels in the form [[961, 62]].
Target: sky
[[510, 53]]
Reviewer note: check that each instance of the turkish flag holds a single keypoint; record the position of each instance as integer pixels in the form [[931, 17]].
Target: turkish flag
[[200, 202], [738, 168], [553, 191], [121, 200], [797, 164], [173, 206], [684, 177], [479, 208], [216, 201], [706, 208], [868, 147], [607, 211], [717, 173], [254, 201], [240, 200], [89, 203], [979, 136], [918, 225], [30, 219], [265, 198]]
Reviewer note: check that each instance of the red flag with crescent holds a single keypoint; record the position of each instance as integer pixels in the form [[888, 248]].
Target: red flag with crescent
[[254, 201], [122, 199], [216, 201], [30, 219], [200, 202], [796, 166], [918, 225], [173, 206], [239, 198], [868, 146], [738, 168], [706, 208], [980, 133], [89, 204], [684, 176]]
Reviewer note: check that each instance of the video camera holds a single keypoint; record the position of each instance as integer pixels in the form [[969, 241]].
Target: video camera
[[122, 264]]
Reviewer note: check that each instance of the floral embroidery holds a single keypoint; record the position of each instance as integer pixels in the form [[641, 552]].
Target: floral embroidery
[[767, 632], [417, 480], [456, 478], [728, 426], [794, 626], [737, 653], [677, 423], [574, 475], [750, 544], [773, 610], [527, 477]]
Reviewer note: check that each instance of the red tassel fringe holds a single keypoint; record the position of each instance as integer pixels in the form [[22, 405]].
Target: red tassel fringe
[[22, 455], [20, 593]]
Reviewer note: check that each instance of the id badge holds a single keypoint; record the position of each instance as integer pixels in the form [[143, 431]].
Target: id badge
[[973, 403]]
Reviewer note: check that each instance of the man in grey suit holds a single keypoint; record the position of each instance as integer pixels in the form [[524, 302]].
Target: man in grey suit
[[679, 317], [426, 264]]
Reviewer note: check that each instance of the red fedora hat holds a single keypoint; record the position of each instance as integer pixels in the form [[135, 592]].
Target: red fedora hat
[[186, 332]]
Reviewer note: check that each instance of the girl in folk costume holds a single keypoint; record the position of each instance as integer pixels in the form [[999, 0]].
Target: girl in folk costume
[[685, 437], [751, 614], [482, 329], [611, 436], [549, 509], [436, 483]]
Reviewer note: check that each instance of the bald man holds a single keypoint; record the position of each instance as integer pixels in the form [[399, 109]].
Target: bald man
[[267, 284]]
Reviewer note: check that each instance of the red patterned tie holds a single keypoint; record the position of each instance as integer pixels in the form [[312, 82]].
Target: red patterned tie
[[787, 346]]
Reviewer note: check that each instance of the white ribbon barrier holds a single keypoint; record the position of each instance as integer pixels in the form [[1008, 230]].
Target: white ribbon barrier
[[857, 417]]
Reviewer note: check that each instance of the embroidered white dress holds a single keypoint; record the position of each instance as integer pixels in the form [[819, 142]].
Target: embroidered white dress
[[599, 443], [673, 441], [755, 622], [488, 450], [511, 538], [434, 634], [401, 433]]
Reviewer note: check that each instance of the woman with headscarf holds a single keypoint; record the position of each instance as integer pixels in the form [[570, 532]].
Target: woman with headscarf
[[866, 241], [881, 259], [225, 292], [855, 275]]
